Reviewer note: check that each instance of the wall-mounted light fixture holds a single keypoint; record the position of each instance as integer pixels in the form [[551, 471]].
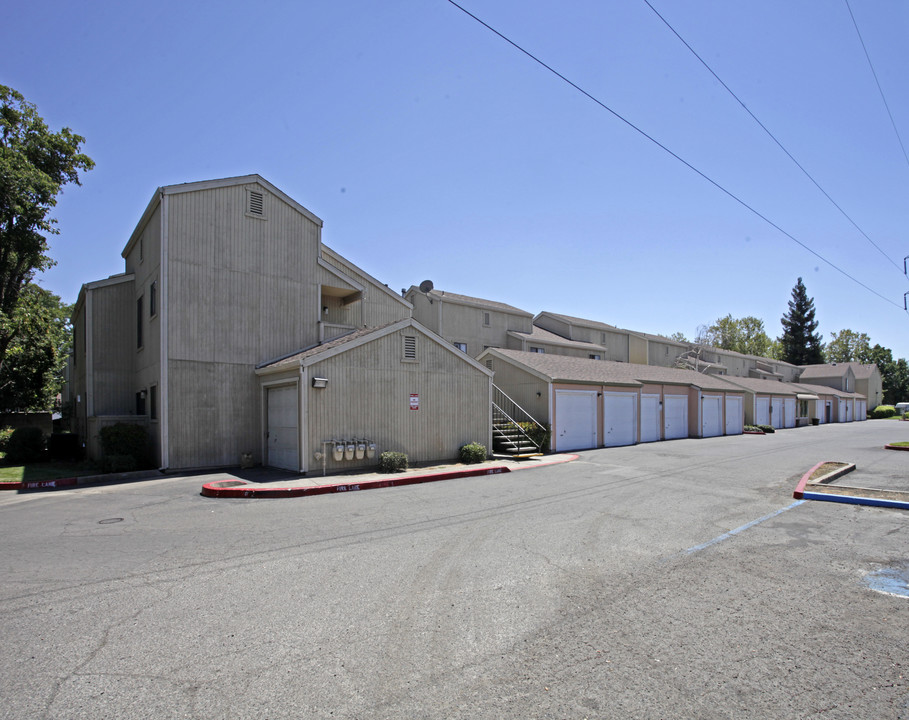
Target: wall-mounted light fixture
[[318, 382], [325, 309]]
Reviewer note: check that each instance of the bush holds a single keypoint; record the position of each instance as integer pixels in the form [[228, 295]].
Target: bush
[[472, 453], [392, 462], [119, 464], [539, 435], [5, 434], [752, 428], [883, 411], [124, 439], [26, 445], [767, 428]]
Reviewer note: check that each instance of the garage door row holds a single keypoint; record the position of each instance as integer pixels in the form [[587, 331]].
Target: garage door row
[[577, 418]]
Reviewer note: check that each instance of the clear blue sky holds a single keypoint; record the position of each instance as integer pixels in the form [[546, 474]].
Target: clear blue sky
[[433, 149]]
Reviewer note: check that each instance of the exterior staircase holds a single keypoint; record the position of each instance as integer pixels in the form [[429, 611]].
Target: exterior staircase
[[508, 437]]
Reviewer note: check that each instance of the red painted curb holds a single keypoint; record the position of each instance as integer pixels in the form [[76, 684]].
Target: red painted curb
[[896, 447], [216, 489], [39, 484], [800, 488]]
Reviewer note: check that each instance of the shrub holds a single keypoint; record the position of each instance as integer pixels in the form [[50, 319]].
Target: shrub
[[5, 434], [26, 445], [392, 462], [883, 411], [472, 453], [539, 435], [767, 428], [124, 439], [752, 428]]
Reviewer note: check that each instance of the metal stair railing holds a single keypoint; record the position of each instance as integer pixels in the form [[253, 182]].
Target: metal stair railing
[[509, 410]]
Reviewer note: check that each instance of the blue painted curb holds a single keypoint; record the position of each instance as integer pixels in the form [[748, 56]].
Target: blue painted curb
[[853, 500]]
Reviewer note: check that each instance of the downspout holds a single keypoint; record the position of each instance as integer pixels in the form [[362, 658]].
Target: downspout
[[164, 399], [89, 359], [303, 392]]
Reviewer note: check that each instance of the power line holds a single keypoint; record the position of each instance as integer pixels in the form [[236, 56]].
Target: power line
[[770, 134], [670, 152], [879, 88]]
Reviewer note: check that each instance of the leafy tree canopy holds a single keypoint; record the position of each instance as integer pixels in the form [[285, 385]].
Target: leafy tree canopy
[[801, 344], [743, 335], [35, 164], [848, 346], [32, 372]]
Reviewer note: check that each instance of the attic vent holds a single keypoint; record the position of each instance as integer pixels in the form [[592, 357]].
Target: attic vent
[[489, 363], [256, 203], [410, 347]]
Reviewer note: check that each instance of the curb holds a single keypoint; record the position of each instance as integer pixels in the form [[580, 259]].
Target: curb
[[234, 488], [871, 497], [61, 483], [896, 447]]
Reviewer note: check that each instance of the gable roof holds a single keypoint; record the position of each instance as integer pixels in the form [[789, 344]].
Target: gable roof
[[563, 368], [482, 303], [316, 353], [211, 185], [544, 337], [826, 370], [764, 387]]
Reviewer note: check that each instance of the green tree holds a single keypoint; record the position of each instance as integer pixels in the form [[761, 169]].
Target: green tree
[[848, 346], [32, 372], [678, 337], [35, 164], [743, 335], [801, 345]]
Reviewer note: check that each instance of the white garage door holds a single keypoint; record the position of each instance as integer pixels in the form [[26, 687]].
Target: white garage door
[[675, 417], [762, 411], [776, 412], [841, 416], [734, 419], [576, 420], [789, 413], [283, 433], [620, 426], [711, 415], [861, 410], [650, 418]]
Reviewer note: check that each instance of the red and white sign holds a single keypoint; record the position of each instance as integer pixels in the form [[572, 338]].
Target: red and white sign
[[414, 401]]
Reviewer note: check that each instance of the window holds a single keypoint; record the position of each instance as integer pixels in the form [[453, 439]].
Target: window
[[410, 348], [803, 408], [537, 350], [486, 319], [140, 402], [594, 356], [461, 346], [153, 299], [139, 339], [141, 248], [153, 402]]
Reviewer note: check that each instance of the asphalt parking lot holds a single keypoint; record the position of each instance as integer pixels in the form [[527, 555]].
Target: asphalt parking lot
[[677, 579]]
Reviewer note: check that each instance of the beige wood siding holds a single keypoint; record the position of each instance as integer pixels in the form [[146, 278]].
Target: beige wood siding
[[240, 290], [378, 307], [368, 397], [523, 388], [113, 338]]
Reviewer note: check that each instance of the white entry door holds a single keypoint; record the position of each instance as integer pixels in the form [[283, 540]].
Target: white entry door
[[711, 415], [576, 420], [675, 417], [734, 417], [841, 415], [650, 418], [776, 412], [620, 426], [283, 438], [789, 413]]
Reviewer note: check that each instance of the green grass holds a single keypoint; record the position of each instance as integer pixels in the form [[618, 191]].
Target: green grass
[[902, 443], [44, 471]]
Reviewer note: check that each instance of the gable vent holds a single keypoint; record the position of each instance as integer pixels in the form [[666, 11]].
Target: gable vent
[[410, 347], [256, 203]]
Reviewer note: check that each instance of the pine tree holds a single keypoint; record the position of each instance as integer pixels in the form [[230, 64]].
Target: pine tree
[[801, 344]]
